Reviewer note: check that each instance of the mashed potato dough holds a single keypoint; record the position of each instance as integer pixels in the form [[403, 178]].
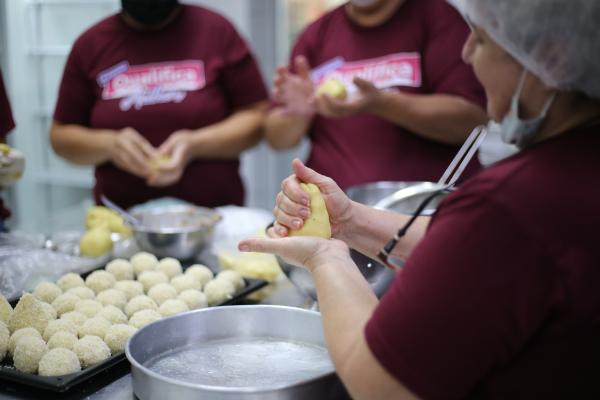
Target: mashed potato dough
[[121, 269], [63, 339], [194, 299], [69, 281], [58, 362], [117, 336], [170, 267], [112, 297], [143, 262], [91, 350], [30, 312], [100, 280], [47, 291], [28, 353], [138, 303]]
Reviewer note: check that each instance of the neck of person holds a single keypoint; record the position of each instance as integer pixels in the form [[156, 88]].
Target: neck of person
[[374, 15], [138, 26], [569, 111]]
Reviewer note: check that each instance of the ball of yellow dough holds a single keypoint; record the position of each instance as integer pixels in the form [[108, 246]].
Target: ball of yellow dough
[[143, 262], [152, 278], [117, 336], [58, 326], [317, 224], [112, 314], [234, 277], [4, 339], [130, 288], [63, 339], [83, 292], [95, 242], [172, 307], [47, 291], [21, 333], [28, 353], [194, 299], [184, 282], [143, 318], [218, 291], [89, 307], [162, 292], [334, 88], [96, 326], [59, 361], [138, 303], [30, 312], [121, 269], [202, 273], [100, 280], [170, 267], [91, 350], [69, 281], [112, 297], [77, 317]]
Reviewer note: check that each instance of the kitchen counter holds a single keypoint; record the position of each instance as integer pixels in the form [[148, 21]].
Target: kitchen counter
[[116, 385]]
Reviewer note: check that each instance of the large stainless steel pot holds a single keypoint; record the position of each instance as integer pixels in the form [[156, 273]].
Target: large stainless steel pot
[[178, 341]]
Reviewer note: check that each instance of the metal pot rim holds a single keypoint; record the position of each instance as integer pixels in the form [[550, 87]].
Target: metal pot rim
[[221, 389]]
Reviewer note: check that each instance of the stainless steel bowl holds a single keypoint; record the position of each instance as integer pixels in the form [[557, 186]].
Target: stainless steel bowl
[[378, 276], [218, 353], [179, 231]]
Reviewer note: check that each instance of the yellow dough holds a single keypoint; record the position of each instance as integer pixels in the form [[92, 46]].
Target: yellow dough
[[318, 222], [104, 217], [158, 162], [96, 242], [334, 88]]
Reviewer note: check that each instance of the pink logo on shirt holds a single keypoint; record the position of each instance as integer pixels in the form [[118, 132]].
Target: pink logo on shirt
[[141, 85], [400, 69]]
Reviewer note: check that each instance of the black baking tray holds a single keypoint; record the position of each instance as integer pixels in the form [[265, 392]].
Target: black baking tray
[[66, 382]]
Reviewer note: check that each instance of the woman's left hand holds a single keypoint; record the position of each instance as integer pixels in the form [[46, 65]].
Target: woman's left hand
[[177, 153], [306, 251]]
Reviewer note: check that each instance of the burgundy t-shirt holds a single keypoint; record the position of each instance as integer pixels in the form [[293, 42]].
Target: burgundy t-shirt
[[418, 50], [193, 73], [501, 299], [7, 124]]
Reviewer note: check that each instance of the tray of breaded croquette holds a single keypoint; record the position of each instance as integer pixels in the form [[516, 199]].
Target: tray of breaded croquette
[[66, 332]]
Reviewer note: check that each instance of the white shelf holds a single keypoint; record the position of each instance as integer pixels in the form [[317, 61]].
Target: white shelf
[[49, 51], [78, 179]]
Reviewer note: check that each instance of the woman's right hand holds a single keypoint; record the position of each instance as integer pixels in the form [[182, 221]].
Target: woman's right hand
[[132, 152], [292, 205], [295, 92]]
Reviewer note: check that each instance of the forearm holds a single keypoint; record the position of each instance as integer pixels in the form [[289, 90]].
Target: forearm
[[284, 130], [443, 118], [230, 137], [369, 229], [81, 145]]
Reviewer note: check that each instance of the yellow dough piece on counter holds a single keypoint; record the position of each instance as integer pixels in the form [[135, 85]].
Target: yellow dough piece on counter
[[334, 88], [318, 222], [99, 216], [95, 242]]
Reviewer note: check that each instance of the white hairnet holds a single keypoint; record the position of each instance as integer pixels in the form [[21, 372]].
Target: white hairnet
[[557, 40]]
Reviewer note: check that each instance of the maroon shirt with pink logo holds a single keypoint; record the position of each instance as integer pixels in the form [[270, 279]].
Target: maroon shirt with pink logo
[[193, 73], [418, 50], [500, 300], [7, 124]]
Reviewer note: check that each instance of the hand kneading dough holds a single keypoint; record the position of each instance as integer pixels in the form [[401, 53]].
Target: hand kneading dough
[[194, 299], [139, 303], [21, 333], [112, 297], [59, 325], [47, 291], [170, 267], [100, 280], [162, 292], [62, 339], [6, 309], [130, 288], [4, 339], [112, 314], [143, 262], [318, 222], [201, 272], [117, 337], [218, 290], [69, 281], [91, 350], [172, 307], [143, 318], [28, 353], [30, 312], [83, 292], [96, 326], [121, 269], [58, 362]]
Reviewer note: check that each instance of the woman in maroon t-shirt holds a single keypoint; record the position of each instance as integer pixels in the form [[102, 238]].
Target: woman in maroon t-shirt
[[414, 99], [498, 298], [162, 98]]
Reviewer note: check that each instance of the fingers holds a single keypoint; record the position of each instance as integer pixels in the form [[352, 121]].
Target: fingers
[[302, 67], [308, 175], [291, 188], [261, 245], [291, 208], [364, 85]]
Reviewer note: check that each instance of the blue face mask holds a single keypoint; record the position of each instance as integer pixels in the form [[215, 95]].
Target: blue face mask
[[517, 131]]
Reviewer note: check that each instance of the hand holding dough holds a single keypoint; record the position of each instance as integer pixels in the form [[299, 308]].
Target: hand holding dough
[[318, 222]]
